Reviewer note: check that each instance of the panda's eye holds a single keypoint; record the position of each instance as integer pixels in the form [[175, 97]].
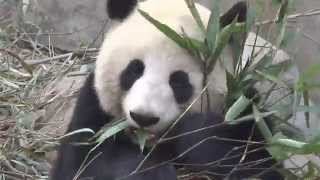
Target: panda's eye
[[182, 89], [131, 73]]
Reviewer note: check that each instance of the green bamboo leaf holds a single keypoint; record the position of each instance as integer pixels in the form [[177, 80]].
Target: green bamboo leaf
[[195, 14], [282, 22], [276, 2], [307, 79], [213, 24], [223, 40], [296, 103], [271, 78], [313, 109], [259, 6], [306, 100], [315, 138], [266, 61], [282, 33], [277, 151], [234, 89], [251, 117], [262, 125], [277, 69], [283, 10], [310, 148], [236, 109], [290, 143], [265, 65], [109, 131], [195, 47], [142, 137], [170, 33], [83, 130], [298, 147], [291, 131], [310, 72], [292, 146], [251, 18], [231, 82]]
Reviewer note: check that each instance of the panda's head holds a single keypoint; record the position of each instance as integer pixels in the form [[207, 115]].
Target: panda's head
[[143, 75]]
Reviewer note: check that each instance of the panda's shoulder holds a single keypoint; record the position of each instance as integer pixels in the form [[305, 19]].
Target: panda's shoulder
[[88, 112]]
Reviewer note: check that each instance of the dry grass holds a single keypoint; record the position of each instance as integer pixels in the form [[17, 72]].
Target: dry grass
[[37, 86]]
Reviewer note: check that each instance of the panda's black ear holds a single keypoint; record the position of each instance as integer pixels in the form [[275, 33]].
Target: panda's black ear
[[120, 9], [238, 10]]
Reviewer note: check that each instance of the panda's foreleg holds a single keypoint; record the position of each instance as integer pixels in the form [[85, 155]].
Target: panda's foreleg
[[87, 114], [223, 150]]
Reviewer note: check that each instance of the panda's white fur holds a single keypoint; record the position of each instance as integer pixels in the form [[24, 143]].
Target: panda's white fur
[[135, 38], [104, 97]]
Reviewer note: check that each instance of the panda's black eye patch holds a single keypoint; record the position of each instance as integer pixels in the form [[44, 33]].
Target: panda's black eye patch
[[180, 84], [131, 73]]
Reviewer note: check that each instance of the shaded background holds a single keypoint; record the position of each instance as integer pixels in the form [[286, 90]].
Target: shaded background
[[75, 23], [72, 24]]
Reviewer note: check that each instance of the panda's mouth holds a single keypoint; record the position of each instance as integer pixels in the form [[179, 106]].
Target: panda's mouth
[[141, 134], [136, 129]]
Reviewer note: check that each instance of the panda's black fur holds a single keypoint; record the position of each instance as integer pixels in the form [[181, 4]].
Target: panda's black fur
[[218, 149], [118, 157]]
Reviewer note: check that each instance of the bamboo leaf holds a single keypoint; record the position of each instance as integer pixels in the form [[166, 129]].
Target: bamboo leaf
[[142, 137], [277, 151], [273, 69], [195, 15], [213, 25], [237, 108], [109, 131], [298, 147], [296, 103], [223, 40], [313, 109], [315, 138], [83, 130], [195, 47], [251, 117], [262, 125], [289, 146], [251, 18], [311, 72], [282, 22], [290, 143], [271, 78], [170, 33], [283, 10], [306, 80], [306, 100]]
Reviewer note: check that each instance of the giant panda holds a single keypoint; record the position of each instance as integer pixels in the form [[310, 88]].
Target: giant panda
[[142, 75]]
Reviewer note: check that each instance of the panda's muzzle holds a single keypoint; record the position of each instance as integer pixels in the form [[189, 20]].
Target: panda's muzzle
[[144, 120]]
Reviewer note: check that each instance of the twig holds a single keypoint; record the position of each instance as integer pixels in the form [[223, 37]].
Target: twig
[[15, 174], [46, 60], [312, 12], [167, 132], [23, 63]]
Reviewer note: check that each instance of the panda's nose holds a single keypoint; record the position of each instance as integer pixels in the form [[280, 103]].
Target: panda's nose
[[144, 120]]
